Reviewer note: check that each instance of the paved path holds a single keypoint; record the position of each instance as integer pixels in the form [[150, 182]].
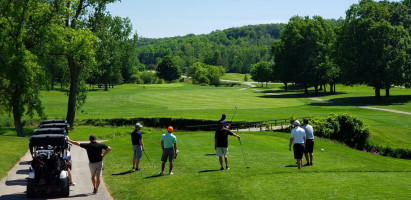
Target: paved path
[[13, 187], [364, 107]]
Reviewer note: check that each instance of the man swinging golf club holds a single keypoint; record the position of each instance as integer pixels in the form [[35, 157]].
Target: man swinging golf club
[[221, 143]]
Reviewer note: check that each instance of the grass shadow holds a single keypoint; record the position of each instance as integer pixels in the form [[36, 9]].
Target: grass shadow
[[123, 173], [281, 95], [209, 154], [154, 176], [209, 170], [372, 101], [291, 166]]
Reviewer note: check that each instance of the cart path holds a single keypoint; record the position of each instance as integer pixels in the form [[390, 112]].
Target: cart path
[[364, 107], [13, 186]]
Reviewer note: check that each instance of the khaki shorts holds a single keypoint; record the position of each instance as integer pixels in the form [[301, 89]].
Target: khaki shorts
[[96, 168], [221, 151]]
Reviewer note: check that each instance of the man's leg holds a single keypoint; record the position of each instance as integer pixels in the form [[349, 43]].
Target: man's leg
[[306, 157], [93, 181], [220, 158], [311, 158], [134, 162], [300, 163], [97, 182], [163, 166], [171, 167], [226, 161], [137, 163]]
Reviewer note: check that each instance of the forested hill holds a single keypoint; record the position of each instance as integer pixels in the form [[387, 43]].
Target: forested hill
[[236, 49]]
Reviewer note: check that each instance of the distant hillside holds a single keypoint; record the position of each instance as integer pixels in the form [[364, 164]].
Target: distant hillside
[[236, 49]]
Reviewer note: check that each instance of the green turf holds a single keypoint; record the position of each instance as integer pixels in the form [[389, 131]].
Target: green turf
[[254, 104], [13, 148], [236, 77], [338, 173]]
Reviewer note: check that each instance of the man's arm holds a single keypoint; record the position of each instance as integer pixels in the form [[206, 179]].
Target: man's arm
[[107, 151], [142, 144], [162, 144], [235, 135], [73, 142], [291, 142], [215, 143]]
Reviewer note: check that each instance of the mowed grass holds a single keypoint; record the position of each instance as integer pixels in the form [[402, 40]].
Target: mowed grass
[[236, 77], [13, 148], [189, 101], [338, 173]]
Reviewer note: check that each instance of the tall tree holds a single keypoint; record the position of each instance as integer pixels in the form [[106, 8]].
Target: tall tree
[[370, 50], [262, 72], [23, 27], [168, 70]]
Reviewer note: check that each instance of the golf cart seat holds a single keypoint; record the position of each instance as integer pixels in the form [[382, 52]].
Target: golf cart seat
[[53, 131], [56, 140]]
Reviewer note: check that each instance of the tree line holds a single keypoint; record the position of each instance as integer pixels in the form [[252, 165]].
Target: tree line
[[371, 46]]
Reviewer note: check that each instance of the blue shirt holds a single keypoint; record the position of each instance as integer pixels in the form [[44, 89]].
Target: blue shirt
[[169, 139], [309, 131]]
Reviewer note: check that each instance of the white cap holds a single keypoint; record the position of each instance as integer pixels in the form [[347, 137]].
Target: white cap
[[139, 125], [296, 122]]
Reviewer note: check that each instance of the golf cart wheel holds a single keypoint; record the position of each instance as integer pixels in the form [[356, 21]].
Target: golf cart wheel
[[31, 193], [65, 192]]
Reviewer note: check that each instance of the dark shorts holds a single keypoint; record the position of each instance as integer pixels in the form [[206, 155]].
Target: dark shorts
[[167, 153], [309, 146], [298, 151]]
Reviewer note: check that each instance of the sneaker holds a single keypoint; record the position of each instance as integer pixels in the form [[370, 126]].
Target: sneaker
[[95, 191], [138, 169], [72, 184], [308, 164], [222, 168], [227, 168], [134, 169], [311, 163], [161, 173], [171, 173]]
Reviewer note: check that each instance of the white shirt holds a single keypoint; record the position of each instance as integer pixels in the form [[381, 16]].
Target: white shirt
[[309, 131], [298, 134]]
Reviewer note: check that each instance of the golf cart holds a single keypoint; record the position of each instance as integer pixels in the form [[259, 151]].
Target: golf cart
[[48, 169], [56, 125]]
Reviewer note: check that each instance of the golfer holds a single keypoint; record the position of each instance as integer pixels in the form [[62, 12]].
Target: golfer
[[298, 138], [223, 117], [169, 147], [138, 146], [309, 144], [95, 156], [221, 143]]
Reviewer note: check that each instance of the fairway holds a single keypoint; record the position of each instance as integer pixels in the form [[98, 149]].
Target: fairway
[[180, 100], [339, 172]]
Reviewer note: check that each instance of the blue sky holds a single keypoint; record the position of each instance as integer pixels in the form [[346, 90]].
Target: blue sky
[[168, 18]]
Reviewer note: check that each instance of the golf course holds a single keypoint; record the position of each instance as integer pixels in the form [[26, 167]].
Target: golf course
[[338, 172]]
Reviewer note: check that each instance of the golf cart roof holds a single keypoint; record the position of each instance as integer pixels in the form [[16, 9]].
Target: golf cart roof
[[48, 139], [54, 131], [52, 121], [55, 125]]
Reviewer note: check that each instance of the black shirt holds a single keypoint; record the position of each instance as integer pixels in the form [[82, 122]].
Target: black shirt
[[135, 137], [221, 135], [94, 151]]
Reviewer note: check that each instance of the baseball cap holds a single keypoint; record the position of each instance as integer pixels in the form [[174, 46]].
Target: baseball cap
[[170, 129], [139, 125], [296, 122]]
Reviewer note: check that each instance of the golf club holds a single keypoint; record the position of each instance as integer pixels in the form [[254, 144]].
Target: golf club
[[243, 154], [148, 159], [234, 113]]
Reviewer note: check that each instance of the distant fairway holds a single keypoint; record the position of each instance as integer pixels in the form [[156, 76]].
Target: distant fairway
[[205, 102], [338, 173]]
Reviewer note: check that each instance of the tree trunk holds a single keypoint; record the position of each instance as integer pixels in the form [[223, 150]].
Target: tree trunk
[[321, 87], [387, 91], [325, 88], [17, 123], [305, 88], [331, 88], [105, 86], [377, 92], [262, 84], [334, 87], [316, 89], [74, 81], [266, 84], [285, 86]]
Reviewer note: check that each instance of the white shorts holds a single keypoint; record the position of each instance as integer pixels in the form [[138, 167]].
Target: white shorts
[[221, 151]]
